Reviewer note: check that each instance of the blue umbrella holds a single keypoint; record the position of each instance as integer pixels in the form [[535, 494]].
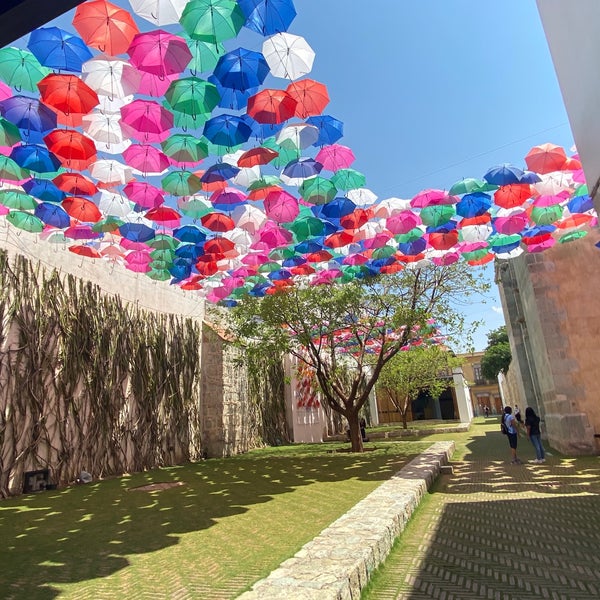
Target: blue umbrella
[[330, 129], [529, 177], [230, 97], [181, 269], [504, 174], [337, 208], [29, 115], [136, 232], [579, 204], [189, 251], [302, 168], [227, 130], [309, 246], [189, 233], [262, 131], [219, 172], [241, 69], [58, 49], [473, 205], [35, 158], [44, 189], [413, 248], [52, 214], [268, 17]]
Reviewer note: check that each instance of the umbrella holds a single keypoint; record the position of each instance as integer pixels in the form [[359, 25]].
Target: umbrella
[[356, 219], [305, 227], [431, 197], [10, 170], [192, 96], [297, 136], [17, 199], [403, 222], [111, 76], [219, 172], [105, 26], [470, 185], [227, 130], [35, 158], [317, 190], [28, 114], [81, 209], [185, 148], [217, 221], [437, 214], [348, 179], [212, 20], [205, 55], [504, 174], [26, 221], [144, 194], [268, 17], [473, 204], [181, 183], [257, 156], [271, 106], [546, 158], [249, 218], [67, 94], [337, 208], [281, 207], [146, 159], [46, 190], [164, 215], [189, 234], [227, 198], [111, 172], [75, 150], [511, 224], [21, 69], [232, 98], [288, 56], [296, 171], [107, 225], [310, 95], [146, 121], [9, 133], [75, 183], [58, 49], [52, 214], [546, 215], [159, 12], [241, 69], [330, 129], [114, 204], [159, 53], [105, 128], [514, 194], [335, 157]]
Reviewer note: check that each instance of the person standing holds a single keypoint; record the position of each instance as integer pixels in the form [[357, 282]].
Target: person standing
[[532, 423], [512, 426], [518, 414]]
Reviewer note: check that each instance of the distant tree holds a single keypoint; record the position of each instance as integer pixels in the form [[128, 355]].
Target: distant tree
[[497, 355], [409, 373]]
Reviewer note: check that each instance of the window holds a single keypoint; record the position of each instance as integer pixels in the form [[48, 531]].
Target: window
[[479, 380]]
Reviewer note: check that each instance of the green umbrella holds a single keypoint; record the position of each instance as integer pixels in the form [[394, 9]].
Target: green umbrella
[[437, 214], [159, 274], [317, 190], [264, 181], [205, 55], [476, 254], [181, 183], [212, 20], [286, 154], [571, 236], [184, 147], [160, 265], [194, 207], [17, 199], [192, 96], [281, 253], [163, 241], [21, 69], [384, 252], [305, 227], [9, 133], [187, 122], [269, 267], [108, 224], [348, 179], [10, 170], [409, 236], [471, 185], [25, 220], [502, 239], [164, 254], [582, 190], [546, 215]]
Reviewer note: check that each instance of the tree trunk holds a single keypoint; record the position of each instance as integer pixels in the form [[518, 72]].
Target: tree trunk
[[404, 422], [355, 436]]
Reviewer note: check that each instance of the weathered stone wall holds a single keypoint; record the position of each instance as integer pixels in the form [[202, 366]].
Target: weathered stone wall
[[553, 318]]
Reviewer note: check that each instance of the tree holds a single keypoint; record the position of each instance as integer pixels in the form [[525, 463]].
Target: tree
[[409, 373], [348, 332], [497, 355]]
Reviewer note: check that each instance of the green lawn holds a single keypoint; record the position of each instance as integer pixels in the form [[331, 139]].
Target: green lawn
[[230, 523]]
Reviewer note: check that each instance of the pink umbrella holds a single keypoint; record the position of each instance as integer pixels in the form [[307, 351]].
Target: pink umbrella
[[138, 257], [550, 199], [146, 159], [5, 91], [403, 222], [471, 246], [511, 224], [274, 236], [146, 120], [155, 85], [160, 53], [281, 206], [378, 240], [131, 245], [144, 194], [447, 258], [255, 259], [335, 157], [431, 198]]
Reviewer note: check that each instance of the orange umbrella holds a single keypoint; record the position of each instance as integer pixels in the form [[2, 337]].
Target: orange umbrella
[[271, 106], [546, 158], [82, 209], [513, 194], [85, 251], [74, 150], [67, 94], [105, 26], [217, 221], [257, 156], [310, 95], [75, 183]]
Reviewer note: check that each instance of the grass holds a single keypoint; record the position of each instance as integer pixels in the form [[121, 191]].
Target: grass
[[231, 522]]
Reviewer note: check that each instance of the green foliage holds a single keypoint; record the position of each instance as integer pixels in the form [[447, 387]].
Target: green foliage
[[497, 355]]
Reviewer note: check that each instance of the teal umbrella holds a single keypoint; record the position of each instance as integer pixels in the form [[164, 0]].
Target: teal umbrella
[[348, 179], [437, 214], [546, 215], [318, 190], [21, 69], [181, 183], [192, 96], [305, 227], [470, 185], [212, 20], [184, 147], [17, 199], [9, 133], [205, 55], [10, 170], [26, 221]]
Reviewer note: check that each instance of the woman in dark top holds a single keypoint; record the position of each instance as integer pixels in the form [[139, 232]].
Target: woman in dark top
[[532, 423]]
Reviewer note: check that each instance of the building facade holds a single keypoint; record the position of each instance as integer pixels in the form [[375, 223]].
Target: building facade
[[484, 392]]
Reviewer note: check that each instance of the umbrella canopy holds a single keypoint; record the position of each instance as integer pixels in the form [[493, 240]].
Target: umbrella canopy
[[181, 183], [335, 157], [111, 172], [268, 17], [317, 190], [20, 69], [212, 20], [74, 150], [105, 129], [144, 194], [159, 53], [241, 69], [271, 106], [514, 194], [29, 115], [227, 130], [256, 156], [546, 158], [205, 55], [296, 171], [288, 56], [26, 221], [281, 207], [297, 136], [311, 97], [17, 199], [473, 204], [185, 148], [330, 129], [146, 120], [159, 12], [111, 76], [44, 189], [9, 133], [504, 174], [35, 158], [192, 96], [146, 159], [81, 209], [75, 183], [56, 48], [52, 214]]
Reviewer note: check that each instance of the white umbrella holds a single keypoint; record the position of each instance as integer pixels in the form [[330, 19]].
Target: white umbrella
[[298, 136], [114, 204], [110, 76], [247, 176], [554, 183], [240, 237], [288, 56], [361, 196], [105, 129], [390, 206], [248, 217], [475, 233], [111, 172], [159, 12]]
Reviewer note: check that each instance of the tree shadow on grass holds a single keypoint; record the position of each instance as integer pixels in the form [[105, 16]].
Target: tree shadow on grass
[[91, 531]]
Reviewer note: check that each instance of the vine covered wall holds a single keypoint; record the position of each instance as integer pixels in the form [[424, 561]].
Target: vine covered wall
[[90, 383]]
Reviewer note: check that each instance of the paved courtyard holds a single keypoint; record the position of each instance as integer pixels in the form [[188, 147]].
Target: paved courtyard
[[501, 531]]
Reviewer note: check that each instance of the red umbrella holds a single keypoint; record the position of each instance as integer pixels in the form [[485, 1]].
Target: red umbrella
[[338, 239], [146, 121], [356, 219], [511, 195], [67, 94], [217, 221], [73, 149], [257, 156], [546, 158], [164, 215], [310, 95], [82, 209], [85, 251], [442, 240], [159, 53], [271, 106], [219, 245], [105, 26], [207, 265], [75, 183]]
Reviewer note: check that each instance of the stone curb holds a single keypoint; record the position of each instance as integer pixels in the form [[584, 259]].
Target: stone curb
[[399, 433], [337, 564]]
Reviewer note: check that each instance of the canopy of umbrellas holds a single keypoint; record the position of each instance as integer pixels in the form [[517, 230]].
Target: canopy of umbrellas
[[164, 150]]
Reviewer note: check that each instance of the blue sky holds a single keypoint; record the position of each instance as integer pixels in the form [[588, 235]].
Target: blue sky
[[433, 91]]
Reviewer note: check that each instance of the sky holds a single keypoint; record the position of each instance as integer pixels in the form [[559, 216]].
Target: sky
[[432, 91]]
